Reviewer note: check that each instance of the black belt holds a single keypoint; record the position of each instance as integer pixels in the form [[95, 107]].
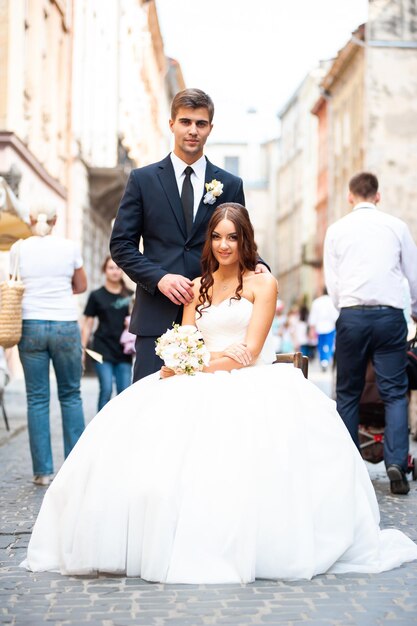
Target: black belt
[[365, 307]]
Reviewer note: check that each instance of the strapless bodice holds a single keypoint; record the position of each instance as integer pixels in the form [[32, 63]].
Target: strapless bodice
[[226, 323]]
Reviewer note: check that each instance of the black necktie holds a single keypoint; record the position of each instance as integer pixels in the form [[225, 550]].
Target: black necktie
[[187, 199]]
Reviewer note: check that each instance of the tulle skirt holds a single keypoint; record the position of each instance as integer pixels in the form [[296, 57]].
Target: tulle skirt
[[215, 478]]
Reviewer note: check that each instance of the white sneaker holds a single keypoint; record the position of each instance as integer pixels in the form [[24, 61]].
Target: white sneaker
[[43, 481]]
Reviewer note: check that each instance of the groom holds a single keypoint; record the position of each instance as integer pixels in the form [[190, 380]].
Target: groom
[[167, 204]]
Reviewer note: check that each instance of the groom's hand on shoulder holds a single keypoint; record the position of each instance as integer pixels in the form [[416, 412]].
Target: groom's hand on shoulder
[[177, 288], [261, 269]]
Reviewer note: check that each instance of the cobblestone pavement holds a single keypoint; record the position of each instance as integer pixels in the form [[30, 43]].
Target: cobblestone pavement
[[35, 599]]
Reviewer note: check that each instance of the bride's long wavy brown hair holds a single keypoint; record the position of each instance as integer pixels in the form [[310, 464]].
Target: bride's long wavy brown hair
[[247, 250]]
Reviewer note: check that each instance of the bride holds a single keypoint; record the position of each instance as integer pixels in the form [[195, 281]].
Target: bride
[[242, 471]]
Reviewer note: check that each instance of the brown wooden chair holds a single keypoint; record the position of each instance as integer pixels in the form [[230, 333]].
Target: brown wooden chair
[[296, 358]]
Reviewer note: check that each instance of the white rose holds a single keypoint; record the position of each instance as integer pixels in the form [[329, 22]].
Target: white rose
[[170, 356], [193, 362], [217, 190]]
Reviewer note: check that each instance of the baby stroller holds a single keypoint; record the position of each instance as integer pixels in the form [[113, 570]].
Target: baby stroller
[[372, 423]]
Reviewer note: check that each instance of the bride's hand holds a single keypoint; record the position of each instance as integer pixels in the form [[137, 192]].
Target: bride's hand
[[239, 352], [166, 372]]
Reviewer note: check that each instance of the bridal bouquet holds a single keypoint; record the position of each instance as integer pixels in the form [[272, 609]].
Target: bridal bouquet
[[182, 349]]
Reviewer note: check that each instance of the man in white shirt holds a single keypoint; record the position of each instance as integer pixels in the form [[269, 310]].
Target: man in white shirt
[[367, 253], [322, 323]]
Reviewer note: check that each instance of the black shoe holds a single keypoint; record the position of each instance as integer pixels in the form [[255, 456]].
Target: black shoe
[[398, 480]]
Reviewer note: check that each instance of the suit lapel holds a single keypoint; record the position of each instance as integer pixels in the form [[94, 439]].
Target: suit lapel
[[204, 209], [166, 176]]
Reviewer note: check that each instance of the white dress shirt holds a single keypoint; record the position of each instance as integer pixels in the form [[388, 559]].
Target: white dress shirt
[[323, 315], [366, 255], [197, 178]]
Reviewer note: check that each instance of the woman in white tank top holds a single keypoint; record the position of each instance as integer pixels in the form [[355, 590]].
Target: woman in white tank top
[[52, 271]]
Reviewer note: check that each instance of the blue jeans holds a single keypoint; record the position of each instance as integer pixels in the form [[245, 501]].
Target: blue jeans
[[326, 347], [60, 342], [106, 371]]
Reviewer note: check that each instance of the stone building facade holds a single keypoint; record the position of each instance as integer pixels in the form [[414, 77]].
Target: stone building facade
[[391, 104], [35, 38], [340, 112], [295, 227], [344, 88]]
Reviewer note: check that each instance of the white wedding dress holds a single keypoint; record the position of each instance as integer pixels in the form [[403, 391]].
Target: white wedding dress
[[216, 478]]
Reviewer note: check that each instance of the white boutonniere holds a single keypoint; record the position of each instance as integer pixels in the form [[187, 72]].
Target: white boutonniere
[[214, 190]]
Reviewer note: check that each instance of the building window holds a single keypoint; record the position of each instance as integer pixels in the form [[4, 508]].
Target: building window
[[231, 164]]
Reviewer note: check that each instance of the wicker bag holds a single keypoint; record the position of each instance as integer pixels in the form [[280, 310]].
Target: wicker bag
[[11, 294]]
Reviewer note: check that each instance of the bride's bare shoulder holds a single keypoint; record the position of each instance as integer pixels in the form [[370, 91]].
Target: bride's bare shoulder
[[264, 281], [263, 286]]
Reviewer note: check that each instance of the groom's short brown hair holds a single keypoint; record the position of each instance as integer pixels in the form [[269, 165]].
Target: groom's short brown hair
[[364, 185], [192, 99]]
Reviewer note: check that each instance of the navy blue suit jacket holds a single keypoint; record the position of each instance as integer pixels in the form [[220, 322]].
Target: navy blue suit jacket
[[151, 209]]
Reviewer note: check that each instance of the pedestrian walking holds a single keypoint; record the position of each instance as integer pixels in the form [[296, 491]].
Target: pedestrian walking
[[322, 325], [169, 204], [110, 305], [302, 331], [288, 330], [51, 269], [366, 255]]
